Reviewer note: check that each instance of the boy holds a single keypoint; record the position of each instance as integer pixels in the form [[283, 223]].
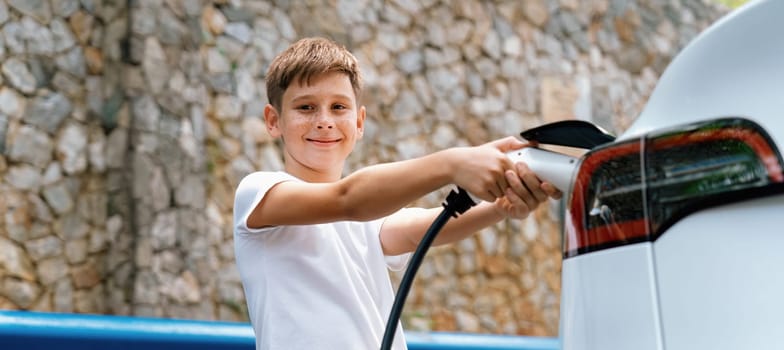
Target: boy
[[313, 247]]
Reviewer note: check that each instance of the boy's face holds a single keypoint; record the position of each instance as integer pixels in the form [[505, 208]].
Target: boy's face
[[319, 123]]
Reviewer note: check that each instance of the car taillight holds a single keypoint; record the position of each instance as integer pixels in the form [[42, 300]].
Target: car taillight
[[632, 191]]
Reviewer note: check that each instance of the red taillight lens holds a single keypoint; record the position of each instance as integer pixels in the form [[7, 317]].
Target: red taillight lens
[[632, 191]]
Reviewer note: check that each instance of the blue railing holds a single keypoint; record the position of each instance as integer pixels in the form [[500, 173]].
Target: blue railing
[[40, 330]]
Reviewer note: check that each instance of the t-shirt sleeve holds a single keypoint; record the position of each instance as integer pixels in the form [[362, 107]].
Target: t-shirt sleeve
[[397, 262], [250, 192]]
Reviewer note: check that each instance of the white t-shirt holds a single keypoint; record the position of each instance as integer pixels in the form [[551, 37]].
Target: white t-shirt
[[320, 286]]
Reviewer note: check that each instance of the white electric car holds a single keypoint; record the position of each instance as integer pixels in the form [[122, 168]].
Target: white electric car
[[674, 232]]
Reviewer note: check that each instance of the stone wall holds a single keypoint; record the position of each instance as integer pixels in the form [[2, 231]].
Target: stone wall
[[126, 125]]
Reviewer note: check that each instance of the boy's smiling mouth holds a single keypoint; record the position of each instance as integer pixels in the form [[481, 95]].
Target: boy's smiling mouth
[[323, 141]]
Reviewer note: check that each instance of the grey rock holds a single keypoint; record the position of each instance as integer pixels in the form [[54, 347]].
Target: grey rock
[[72, 148], [491, 45], [399, 18], [47, 112], [52, 269], [170, 29], [154, 65], [143, 21], [195, 94], [144, 253], [68, 85], [3, 132], [220, 82], [98, 241], [39, 39], [96, 150], [71, 226], [217, 62], [145, 288], [11, 103], [92, 207], [64, 8], [113, 38], [410, 61], [3, 12], [192, 192], [46, 247], [76, 251], [271, 158], [38, 9], [31, 146], [284, 26], [14, 38], [168, 261], [61, 35], [63, 295], [407, 107], [442, 80], [234, 14], [487, 68], [246, 86], [24, 177], [72, 61], [239, 30], [14, 261], [18, 74], [240, 167], [459, 31], [227, 107], [164, 230], [146, 113], [41, 211], [187, 141], [116, 146], [392, 40], [41, 69], [632, 59], [20, 292], [183, 289]]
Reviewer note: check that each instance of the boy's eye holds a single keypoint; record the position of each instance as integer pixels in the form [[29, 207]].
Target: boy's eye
[[305, 107], [338, 106]]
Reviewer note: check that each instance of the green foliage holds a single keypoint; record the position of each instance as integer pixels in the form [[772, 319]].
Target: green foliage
[[732, 3]]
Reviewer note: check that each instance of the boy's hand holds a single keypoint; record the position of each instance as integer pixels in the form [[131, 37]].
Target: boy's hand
[[481, 170], [525, 193]]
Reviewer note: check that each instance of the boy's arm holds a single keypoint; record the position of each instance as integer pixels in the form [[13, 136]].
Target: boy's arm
[[403, 231], [380, 190]]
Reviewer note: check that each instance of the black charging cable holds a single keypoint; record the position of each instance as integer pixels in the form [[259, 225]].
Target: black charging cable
[[456, 203]]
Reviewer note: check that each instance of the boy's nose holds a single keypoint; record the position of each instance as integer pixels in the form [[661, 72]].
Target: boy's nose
[[324, 121]]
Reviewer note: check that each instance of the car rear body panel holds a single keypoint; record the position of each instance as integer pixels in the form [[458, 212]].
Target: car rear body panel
[[719, 275], [611, 300]]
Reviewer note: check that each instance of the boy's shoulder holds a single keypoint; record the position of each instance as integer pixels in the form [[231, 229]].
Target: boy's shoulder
[[262, 179], [266, 175]]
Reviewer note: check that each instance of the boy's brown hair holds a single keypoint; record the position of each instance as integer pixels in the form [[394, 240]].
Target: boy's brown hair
[[305, 59]]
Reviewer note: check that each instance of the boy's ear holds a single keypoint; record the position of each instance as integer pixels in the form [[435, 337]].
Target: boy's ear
[[272, 120], [361, 122]]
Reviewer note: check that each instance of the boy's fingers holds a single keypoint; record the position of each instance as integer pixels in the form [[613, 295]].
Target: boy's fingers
[[519, 206], [515, 184], [531, 182], [508, 144], [551, 190], [534, 186], [521, 191]]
